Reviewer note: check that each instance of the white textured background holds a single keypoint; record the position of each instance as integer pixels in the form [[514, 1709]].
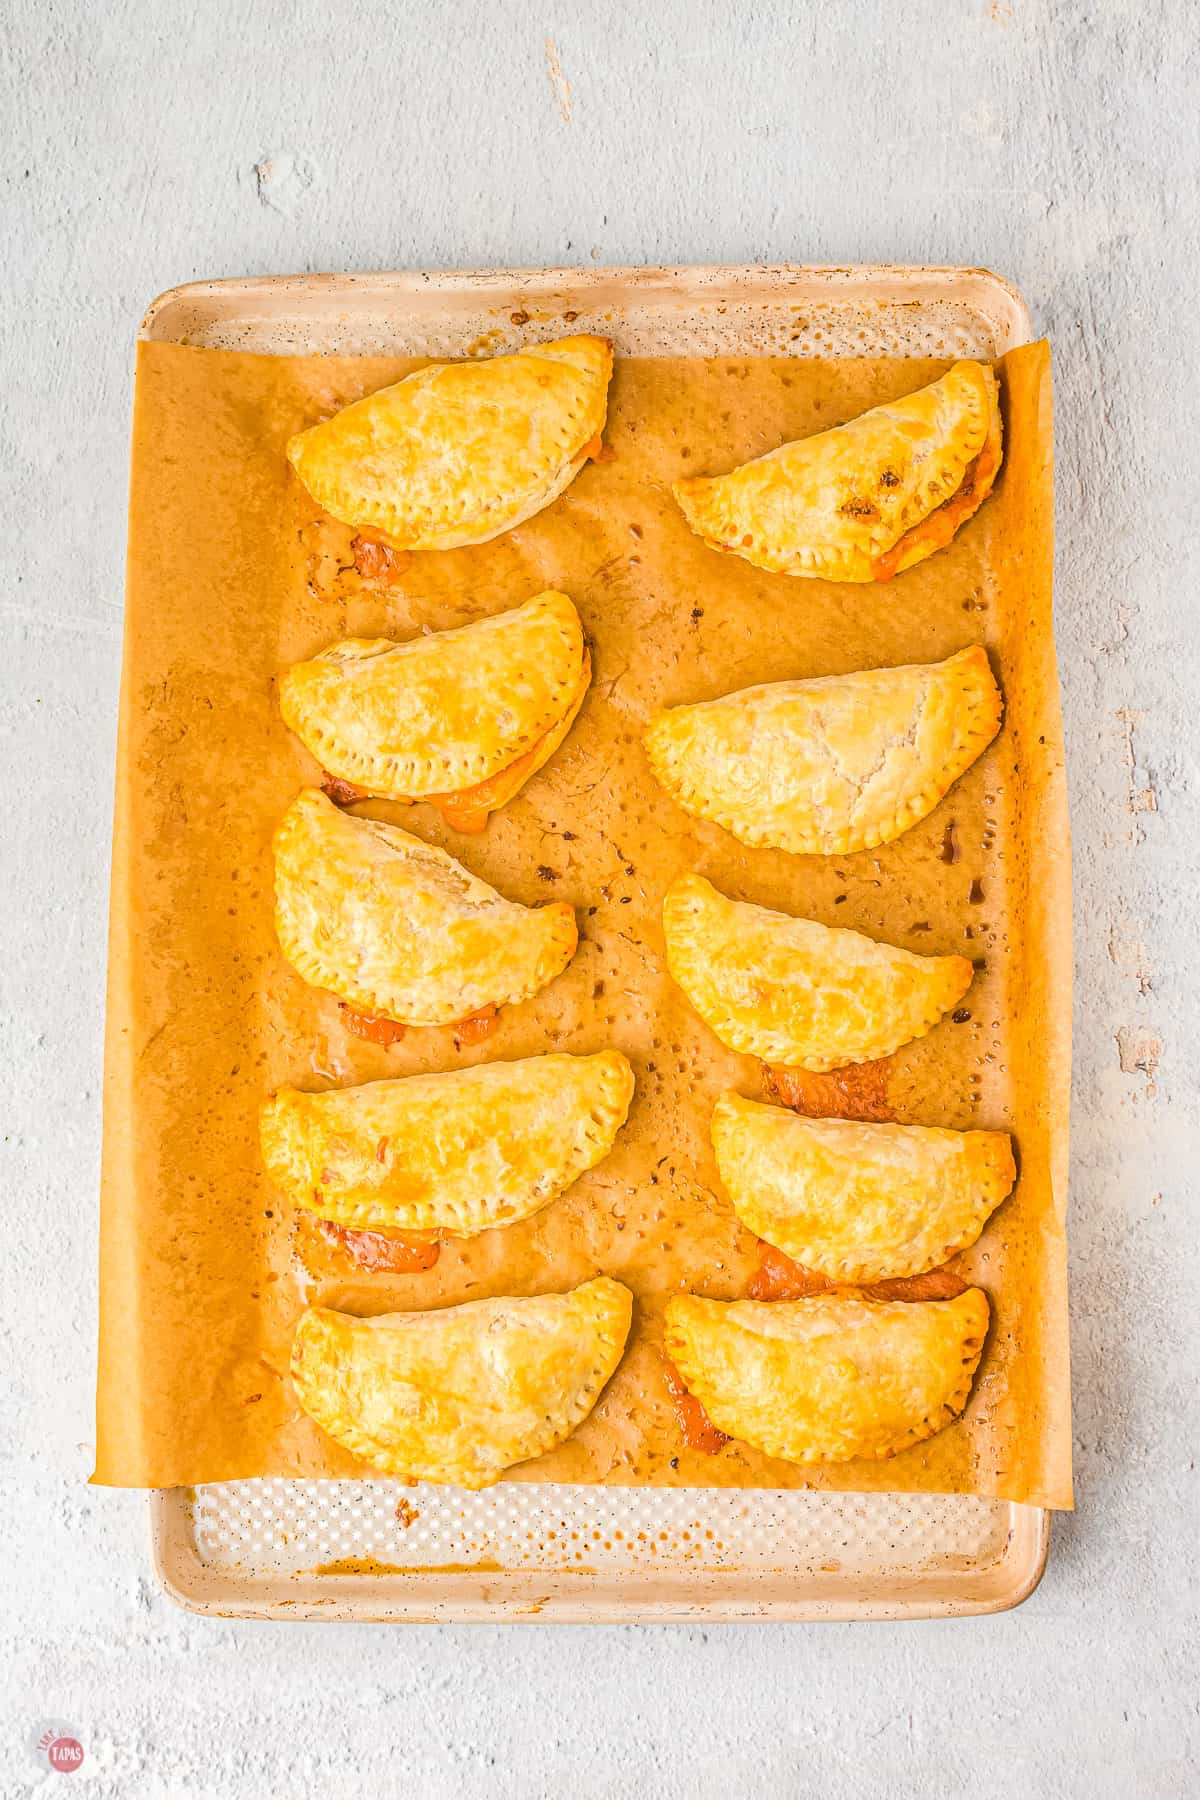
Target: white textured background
[[1056, 143]]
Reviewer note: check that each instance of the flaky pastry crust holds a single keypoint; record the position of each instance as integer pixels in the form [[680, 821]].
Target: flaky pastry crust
[[833, 765], [396, 926], [461, 1394], [459, 452], [829, 1378], [797, 993], [444, 711], [864, 500], [858, 1202], [460, 1152]]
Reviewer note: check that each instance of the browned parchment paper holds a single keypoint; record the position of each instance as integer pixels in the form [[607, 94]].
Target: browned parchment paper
[[234, 573]]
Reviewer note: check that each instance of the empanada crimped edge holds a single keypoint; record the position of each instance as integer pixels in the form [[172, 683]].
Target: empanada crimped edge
[[865, 1209], [967, 689], [461, 1152], [473, 1409], [821, 1406], [522, 670], [459, 452], [694, 915], [507, 951]]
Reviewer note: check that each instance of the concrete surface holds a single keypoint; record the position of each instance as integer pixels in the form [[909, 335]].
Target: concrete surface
[[148, 142]]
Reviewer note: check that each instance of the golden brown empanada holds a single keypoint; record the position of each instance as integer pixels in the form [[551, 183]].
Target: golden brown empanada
[[462, 718], [797, 993], [461, 1394], [832, 1377], [459, 452], [866, 499], [858, 1202], [460, 1152], [828, 766], [397, 927]]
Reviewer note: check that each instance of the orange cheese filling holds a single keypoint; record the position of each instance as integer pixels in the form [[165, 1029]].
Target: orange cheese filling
[[477, 1026], [399, 1252], [467, 809], [859, 1091], [376, 558], [342, 793], [779, 1278], [377, 1028], [374, 1028], [941, 525], [699, 1432]]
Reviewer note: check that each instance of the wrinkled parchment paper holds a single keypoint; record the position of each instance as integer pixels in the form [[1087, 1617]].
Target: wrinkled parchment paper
[[233, 574]]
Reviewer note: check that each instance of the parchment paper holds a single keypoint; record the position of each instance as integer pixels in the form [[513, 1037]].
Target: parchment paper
[[233, 574]]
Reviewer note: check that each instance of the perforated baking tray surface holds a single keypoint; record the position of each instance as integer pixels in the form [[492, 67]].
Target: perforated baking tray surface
[[381, 1550]]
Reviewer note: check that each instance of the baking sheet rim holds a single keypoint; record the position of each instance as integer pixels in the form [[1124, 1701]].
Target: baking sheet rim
[[355, 1598], [828, 278]]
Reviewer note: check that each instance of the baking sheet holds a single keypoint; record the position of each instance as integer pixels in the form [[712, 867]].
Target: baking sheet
[[233, 574], [377, 1549]]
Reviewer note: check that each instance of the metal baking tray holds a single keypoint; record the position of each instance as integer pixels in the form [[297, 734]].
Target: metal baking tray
[[377, 1549]]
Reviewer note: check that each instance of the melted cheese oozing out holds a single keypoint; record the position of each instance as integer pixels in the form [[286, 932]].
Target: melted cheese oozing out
[[939, 528], [467, 809], [398, 1251], [699, 1432], [377, 1028], [779, 1278]]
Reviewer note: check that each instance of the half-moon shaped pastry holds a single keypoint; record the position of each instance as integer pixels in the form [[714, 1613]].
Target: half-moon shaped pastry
[[397, 927], [459, 452], [461, 1152], [797, 993], [854, 1202], [829, 1378], [828, 766], [462, 718], [867, 499], [461, 1394]]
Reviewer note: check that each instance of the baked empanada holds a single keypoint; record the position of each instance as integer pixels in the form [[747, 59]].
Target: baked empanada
[[397, 927], [459, 452], [857, 1202], [797, 993], [830, 1378], [461, 1394], [462, 718], [461, 1152], [867, 499], [832, 765]]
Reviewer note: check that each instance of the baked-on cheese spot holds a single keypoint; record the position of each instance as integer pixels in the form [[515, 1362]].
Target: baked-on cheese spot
[[856, 1202], [460, 1152], [830, 1378], [422, 719], [797, 993], [461, 1394], [832, 765], [866, 499], [459, 452], [396, 926]]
